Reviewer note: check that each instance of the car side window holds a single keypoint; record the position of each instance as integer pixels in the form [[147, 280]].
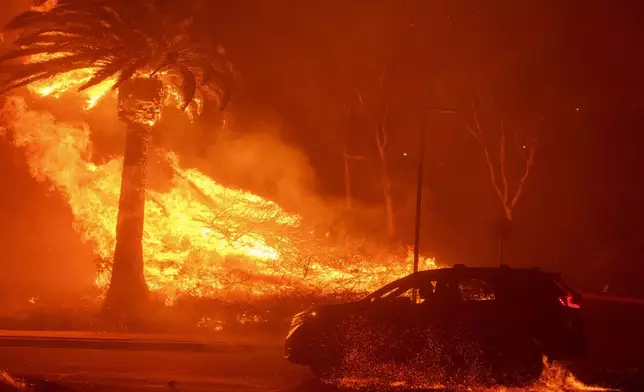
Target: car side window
[[403, 291], [427, 292], [385, 294], [475, 289], [423, 289], [409, 293]]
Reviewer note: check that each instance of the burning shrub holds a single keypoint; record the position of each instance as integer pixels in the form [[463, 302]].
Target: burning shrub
[[201, 239]]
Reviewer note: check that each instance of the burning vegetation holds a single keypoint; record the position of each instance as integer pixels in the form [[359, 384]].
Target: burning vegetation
[[199, 237]]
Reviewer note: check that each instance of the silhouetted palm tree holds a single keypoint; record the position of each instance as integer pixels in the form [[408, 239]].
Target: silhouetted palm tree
[[142, 44]]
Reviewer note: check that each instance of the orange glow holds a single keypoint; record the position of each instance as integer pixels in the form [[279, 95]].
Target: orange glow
[[72, 80], [69, 81], [48, 5], [200, 238]]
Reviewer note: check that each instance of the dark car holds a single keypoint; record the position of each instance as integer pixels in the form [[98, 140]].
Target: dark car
[[510, 318]]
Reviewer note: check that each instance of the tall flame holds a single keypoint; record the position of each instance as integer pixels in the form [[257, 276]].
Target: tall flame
[[70, 80], [200, 238]]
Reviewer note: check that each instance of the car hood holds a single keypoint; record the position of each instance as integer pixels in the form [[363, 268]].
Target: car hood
[[340, 308]]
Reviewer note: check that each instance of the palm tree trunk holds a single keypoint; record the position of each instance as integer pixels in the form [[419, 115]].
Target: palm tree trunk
[[139, 108], [128, 292]]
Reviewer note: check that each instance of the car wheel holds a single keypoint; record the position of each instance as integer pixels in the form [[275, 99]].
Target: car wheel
[[519, 364]]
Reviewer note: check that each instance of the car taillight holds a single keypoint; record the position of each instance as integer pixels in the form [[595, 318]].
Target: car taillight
[[569, 302]]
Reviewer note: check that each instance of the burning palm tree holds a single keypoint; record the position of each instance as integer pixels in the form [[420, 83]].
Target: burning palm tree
[[144, 49]]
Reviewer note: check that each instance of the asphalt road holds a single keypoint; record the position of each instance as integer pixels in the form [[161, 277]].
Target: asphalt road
[[259, 368], [102, 362]]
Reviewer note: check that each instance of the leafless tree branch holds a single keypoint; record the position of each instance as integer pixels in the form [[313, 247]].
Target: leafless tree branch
[[526, 173], [507, 197], [504, 177], [478, 135]]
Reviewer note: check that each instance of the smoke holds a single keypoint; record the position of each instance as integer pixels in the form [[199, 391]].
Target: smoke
[[247, 154], [246, 150], [260, 161], [42, 255]]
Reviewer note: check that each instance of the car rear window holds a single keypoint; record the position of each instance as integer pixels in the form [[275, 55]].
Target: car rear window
[[475, 289], [531, 286]]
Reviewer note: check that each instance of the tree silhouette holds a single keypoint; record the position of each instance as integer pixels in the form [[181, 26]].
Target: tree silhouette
[[502, 169]]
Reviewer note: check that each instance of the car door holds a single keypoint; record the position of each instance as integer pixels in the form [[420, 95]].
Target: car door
[[408, 317], [420, 328], [475, 311], [389, 321]]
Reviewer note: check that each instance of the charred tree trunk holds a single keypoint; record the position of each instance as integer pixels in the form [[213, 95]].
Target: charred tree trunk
[[389, 202], [139, 108], [385, 180], [347, 176], [128, 289]]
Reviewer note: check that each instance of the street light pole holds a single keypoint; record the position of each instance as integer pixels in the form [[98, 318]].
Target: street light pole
[[419, 182], [419, 189], [419, 195]]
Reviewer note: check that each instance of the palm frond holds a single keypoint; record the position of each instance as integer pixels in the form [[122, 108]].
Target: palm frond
[[188, 85], [128, 71], [66, 32], [23, 20], [117, 37], [65, 52], [34, 74], [17, 83], [103, 73], [169, 58], [51, 37], [222, 82]]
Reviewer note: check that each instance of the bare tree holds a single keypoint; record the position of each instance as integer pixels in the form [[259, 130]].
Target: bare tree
[[385, 179], [347, 176], [378, 118], [507, 178]]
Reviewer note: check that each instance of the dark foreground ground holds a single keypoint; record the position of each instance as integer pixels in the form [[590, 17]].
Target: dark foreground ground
[[215, 369], [102, 362], [258, 369]]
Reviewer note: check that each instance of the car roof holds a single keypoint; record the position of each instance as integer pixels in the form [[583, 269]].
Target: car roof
[[503, 270], [460, 270]]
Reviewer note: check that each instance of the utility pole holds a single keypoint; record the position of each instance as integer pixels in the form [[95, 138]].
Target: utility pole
[[419, 189], [419, 195], [504, 229]]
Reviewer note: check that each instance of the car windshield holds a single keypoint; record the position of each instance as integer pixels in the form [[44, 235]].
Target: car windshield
[[391, 290]]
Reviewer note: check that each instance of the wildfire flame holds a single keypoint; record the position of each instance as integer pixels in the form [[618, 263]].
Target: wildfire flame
[[200, 238], [70, 80]]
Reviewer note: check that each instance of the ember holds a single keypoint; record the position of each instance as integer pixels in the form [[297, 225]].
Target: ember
[[555, 378]]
